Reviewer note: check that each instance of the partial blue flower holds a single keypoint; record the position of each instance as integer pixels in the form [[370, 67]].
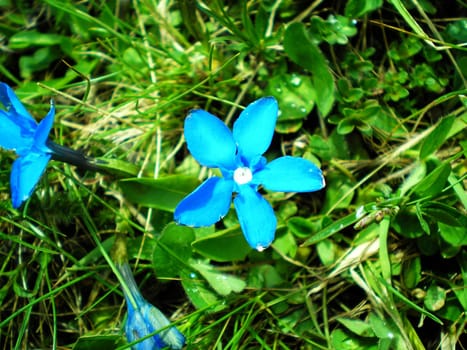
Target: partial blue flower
[[239, 156], [21, 133], [146, 321]]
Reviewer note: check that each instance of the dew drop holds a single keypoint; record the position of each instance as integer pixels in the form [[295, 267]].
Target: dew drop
[[296, 81]]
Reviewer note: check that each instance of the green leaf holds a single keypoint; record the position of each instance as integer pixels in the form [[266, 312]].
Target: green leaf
[[303, 51], [140, 247], [406, 223], [285, 244], [301, 227], [411, 272], [222, 283], [421, 219], [26, 39], [327, 251], [234, 246], [101, 342], [173, 250], [338, 190], [435, 298], [382, 328], [454, 235], [117, 167], [296, 97], [356, 326], [358, 8], [437, 137], [39, 60], [201, 296], [346, 126], [343, 340], [265, 276], [440, 212], [434, 182], [163, 193], [335, 29]]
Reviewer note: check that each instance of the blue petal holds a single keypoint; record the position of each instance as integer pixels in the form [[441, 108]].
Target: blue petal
[[43, 130], [171, 336], [256, 217], [290, 174], [14, 106], [207, 204], [136, 328], [25, 174], [209, 140], [254, 129], [11, 137]]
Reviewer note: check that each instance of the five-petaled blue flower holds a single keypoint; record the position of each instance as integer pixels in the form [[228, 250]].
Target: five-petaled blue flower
[[21, 133], [145, 319], [239, 155]]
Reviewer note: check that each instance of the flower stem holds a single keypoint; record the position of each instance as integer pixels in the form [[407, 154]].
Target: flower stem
[[114, 167]]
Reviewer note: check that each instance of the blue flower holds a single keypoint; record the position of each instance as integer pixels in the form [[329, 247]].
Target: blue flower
[[239, 155], [145, 319], [21, 133]]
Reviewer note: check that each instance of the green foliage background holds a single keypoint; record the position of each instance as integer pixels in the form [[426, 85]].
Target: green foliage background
[[373, 91]]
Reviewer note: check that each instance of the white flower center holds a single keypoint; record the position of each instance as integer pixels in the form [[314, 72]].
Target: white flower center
[[242, 175]]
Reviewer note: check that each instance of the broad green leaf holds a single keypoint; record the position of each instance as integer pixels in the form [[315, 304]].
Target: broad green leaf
[[296, 97], [343, 340], [338, 190], [346, 126], [141, 247], [437, 137], [234, 246], [356, 326], [451, 310], [448, 250], [406, 223], [117, 167], [222, 283], [454, 235], [285, 243], [327, 251], [173, 250], [443, 213], [163, 193], [101, 342], [411, 272], [434, 182], [26, 39], [358, 8], [301, 227], [435, 298], [383, 328], [39, 60], [201, 296], [303, 51], [265, 276]]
